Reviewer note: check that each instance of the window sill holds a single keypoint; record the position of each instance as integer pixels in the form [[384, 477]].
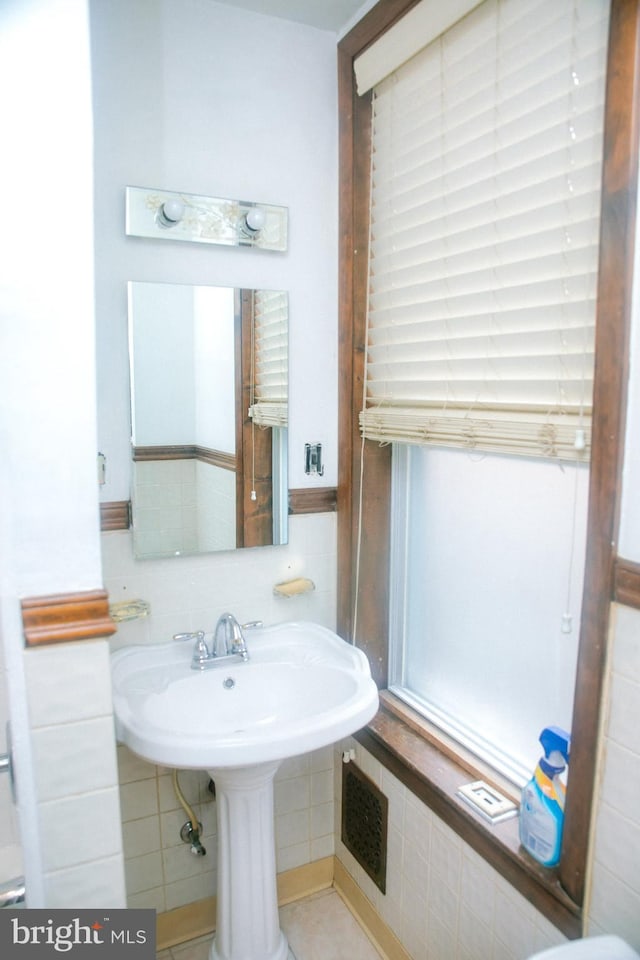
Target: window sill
[[394, 738]]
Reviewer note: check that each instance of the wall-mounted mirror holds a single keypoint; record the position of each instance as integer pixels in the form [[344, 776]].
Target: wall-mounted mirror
[[209, 374]]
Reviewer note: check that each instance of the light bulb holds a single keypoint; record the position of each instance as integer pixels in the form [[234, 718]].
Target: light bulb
[[254, 219], [170, 213]]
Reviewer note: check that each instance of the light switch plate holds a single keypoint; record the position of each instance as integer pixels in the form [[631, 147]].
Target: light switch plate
[[488, 802]]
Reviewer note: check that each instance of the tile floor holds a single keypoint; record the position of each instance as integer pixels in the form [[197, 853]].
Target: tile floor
[[319, 927]]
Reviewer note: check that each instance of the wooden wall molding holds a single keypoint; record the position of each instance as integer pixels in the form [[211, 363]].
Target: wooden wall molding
[[66, 617], [626, 583], [190, 451], [115, 515], [312, 500]]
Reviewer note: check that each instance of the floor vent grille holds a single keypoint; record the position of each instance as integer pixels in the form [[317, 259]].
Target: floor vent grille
[[364, 823]]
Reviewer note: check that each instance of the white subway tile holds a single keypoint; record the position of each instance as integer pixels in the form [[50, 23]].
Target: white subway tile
[[294, 767], [322, 786], [138, 799], [291, 795], [513, 923], [445, 856], [477, 887], [321, 847], [140, 837], [321, 819], [82, 687], [132, 767], [99, 883], [474, 935], [441, 939], [144, 873], [186, 891], [623, 713], [626, 648], [294, 855], [614, 906], [148, 900], [80, 829], [292, 828], [617, 846], [179, 863], [74, 758]]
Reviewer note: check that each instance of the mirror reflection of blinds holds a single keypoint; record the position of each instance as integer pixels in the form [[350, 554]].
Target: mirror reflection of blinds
[[270, 359], [486, 167]]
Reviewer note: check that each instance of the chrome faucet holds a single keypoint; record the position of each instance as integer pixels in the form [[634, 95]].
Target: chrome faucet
[[228, 639], [228, 643]]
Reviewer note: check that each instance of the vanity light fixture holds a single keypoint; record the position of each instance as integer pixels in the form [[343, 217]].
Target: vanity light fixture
[[170, 213], [186, 216]]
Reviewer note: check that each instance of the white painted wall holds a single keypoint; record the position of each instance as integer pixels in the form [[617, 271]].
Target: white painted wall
[[207, 99], [50, 542]]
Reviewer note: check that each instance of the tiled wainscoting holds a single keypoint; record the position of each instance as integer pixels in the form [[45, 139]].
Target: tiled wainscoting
[[615, 888], [161, 871], [442, 900]]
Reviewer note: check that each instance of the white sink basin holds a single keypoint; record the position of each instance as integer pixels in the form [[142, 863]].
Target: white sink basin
[[302, 688]]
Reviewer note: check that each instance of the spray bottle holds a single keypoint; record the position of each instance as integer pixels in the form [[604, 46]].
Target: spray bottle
[[542, 809]]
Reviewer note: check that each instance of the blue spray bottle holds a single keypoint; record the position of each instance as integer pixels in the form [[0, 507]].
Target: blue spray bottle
[[542, 808]]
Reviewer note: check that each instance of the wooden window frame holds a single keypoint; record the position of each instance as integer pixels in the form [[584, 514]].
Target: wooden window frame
[[393, 736]]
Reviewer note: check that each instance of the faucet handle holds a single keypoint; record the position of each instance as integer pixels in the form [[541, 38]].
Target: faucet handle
[[201, 650], [253, 624]]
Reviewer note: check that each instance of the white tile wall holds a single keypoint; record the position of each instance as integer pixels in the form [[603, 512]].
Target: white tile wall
[[190, 593], [165, 506], [615, 890], [69, 702], [443, 901], [162, 872]]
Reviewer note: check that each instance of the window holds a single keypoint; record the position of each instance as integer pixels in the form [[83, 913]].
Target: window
[[485, 202], [363, 568], [486, 575]]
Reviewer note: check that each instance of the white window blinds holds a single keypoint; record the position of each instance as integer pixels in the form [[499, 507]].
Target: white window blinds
[[486, 167], [269, 387]]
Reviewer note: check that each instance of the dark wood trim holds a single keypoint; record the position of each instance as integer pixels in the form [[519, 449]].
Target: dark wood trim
[[434, 778], [254, 526], [115, 515], [312, 500], [191, 451], [66, 617], [617, 243], [376, 22], [626, 583], [616, 269], [240, 307], [216, 458], [176, 451]]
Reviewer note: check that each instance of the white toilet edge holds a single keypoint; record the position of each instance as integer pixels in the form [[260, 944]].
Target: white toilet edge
[[590, 948]]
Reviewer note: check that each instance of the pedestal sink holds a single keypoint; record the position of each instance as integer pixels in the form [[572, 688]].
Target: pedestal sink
[[302, 688]]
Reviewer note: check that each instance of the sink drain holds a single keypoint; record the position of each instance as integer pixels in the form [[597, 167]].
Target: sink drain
[[228, 683]]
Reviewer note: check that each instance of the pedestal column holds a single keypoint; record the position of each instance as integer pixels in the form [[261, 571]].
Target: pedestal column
[[247, 926]]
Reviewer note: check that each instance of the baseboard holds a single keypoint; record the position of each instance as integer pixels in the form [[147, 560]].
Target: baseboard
[[198, 919], [382, 937]]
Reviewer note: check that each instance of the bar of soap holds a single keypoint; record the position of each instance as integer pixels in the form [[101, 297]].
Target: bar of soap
[[129, 610], [291, 588]]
